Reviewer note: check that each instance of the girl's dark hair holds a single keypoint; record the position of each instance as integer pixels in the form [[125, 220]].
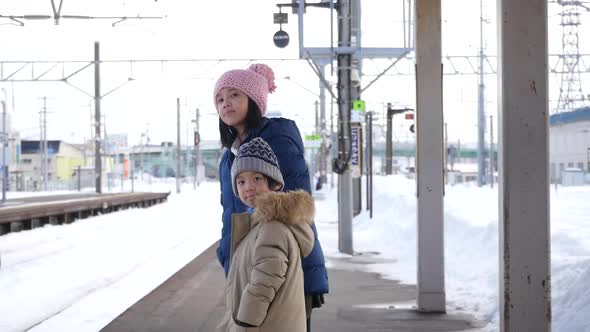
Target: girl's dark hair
[[272, 184], [253, 120]]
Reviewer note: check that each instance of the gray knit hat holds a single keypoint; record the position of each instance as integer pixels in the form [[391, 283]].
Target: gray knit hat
[[256, 156]]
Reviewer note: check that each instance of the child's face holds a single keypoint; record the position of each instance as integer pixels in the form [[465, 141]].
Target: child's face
[[232, 107], [250, 184]]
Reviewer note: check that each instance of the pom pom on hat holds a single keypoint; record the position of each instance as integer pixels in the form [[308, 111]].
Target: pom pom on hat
[[267, 72], [256, 82]]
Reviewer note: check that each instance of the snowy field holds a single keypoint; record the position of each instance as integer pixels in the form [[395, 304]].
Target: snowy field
[[79, 277]]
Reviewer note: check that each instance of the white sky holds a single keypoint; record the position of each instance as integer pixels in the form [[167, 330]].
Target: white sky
[[69, 278], [230, 29]]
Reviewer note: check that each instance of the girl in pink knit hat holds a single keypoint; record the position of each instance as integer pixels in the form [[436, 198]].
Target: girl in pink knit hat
[[241, 101]]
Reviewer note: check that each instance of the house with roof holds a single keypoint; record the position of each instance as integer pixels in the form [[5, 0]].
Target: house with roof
[[63, 162]]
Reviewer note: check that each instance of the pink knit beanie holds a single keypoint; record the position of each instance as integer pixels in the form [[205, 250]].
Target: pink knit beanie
[[256, 82]]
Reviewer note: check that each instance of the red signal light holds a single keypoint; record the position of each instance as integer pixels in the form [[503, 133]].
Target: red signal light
[[409, 116]]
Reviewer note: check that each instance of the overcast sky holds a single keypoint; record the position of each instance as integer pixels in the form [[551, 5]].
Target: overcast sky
[[232, 29]]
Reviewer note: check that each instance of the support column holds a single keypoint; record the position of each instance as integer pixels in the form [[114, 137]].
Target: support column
[[342, 164], [525, 283], [36, 223], [16, 226], [429, 155]]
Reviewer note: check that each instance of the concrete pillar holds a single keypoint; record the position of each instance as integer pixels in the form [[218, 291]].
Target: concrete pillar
[[17, 226], [429, 154], [36, 223], [68, 218], [4, 229], [53, 220], [525, 289]]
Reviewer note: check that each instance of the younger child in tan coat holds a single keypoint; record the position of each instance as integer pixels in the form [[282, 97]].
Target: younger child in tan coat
[[264, 289]]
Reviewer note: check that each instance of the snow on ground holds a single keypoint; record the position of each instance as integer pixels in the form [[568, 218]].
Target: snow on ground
[[79, 277]]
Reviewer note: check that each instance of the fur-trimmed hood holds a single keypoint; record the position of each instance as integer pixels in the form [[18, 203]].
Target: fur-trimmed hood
[[295, 209]]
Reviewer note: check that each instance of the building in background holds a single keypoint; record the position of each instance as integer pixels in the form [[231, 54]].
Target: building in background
[[63, 162], [569, 143]]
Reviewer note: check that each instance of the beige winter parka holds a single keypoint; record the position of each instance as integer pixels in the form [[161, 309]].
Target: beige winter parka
[[264, 287]]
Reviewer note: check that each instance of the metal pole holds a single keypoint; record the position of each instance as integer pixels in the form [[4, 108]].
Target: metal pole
[[370, 163], [132, 162], [316, 152], [367, 155], [323, 147], [332, 139], [196, 148], [141, 150], [481, 120], [41, 154], [446, 154], [106, 151], [4, 142], [97, 140], [491, 151], [344, 107], [389, 141], [178, 145], [79, 178], [45, 152], [199, 157], [355, 29]]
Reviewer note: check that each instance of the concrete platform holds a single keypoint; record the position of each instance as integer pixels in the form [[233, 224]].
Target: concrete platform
[[192, 300]]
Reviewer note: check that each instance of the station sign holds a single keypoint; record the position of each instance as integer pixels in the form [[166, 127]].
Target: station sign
[[358, 111], [281, 39], [313, 141], [356, 154]]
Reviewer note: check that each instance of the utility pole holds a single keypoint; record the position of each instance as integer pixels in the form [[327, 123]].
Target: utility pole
[[43, 144], [491, 151], [446, 154], [481, 120], [323, 147], [4, 141], [45, 148], [315, 159], [389, 141], [97, 140], [105, 149], [196, 143], [389, 136], [342, 163], [369, 155], [356, 131], [178, 145]]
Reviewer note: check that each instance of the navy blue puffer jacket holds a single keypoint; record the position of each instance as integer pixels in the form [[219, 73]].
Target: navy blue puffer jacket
[[284, 138]]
